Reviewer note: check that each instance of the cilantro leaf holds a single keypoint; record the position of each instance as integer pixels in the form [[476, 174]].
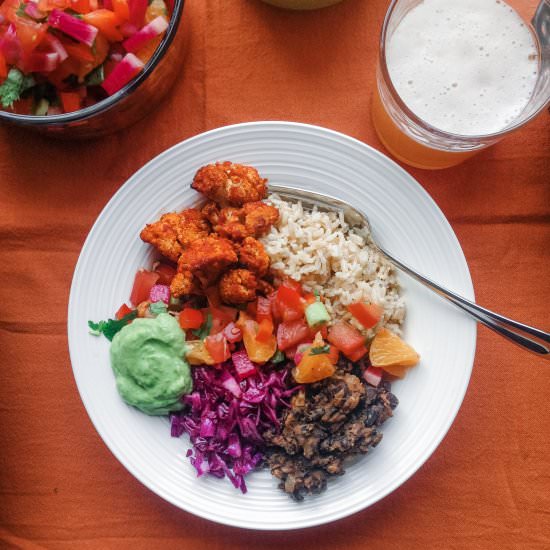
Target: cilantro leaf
[[95, 77], [110, 327], [158, 307], [205, 328], [20, 11], [279, 357], [319, 350], [11, 89]]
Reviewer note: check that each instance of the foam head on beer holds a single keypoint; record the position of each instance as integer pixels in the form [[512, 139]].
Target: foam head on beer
[[467, 67]]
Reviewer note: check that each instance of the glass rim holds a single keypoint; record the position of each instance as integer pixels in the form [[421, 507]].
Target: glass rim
[[107, 103], [465, 138]]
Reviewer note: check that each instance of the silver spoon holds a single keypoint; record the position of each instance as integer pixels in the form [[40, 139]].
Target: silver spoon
[[530, 338]]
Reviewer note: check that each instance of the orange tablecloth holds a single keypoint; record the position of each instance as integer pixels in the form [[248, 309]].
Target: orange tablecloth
[[486, 486]]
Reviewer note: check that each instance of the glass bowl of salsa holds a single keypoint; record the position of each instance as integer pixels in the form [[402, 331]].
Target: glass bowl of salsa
[[86, 68]]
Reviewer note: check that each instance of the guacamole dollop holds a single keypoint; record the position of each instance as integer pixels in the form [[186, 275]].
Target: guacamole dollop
[[147, 357]]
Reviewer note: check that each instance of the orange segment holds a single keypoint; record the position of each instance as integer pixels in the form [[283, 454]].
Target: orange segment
[[391, 353]]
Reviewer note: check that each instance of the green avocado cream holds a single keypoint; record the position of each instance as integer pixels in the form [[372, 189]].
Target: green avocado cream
[[147, 357]]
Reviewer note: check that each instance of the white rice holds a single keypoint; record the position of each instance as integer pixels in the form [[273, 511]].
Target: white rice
[[320, 250]]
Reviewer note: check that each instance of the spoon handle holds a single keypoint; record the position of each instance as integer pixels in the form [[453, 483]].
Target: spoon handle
[[529, 338]]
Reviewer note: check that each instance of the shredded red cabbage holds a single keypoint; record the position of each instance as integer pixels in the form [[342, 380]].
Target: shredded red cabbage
[[225, 418]]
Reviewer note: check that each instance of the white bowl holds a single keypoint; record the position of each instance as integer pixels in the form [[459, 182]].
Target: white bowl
[[409, 224]]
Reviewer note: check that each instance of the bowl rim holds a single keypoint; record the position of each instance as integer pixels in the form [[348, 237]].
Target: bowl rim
[[110, 101]]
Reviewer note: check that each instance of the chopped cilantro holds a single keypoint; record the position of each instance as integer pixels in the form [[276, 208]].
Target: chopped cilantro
[[14, 85], [317, 295], [158, 307], [319, 350], [110, 327], [205, 328], [20, 11], [279, 357], [95, 77]]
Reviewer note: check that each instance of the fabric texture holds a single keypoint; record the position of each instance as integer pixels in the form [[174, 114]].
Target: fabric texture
[[488, 483]]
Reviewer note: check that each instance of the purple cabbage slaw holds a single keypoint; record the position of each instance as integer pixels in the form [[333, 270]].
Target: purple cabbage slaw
[[226, 417]]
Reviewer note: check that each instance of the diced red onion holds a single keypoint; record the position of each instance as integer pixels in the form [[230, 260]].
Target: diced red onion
[[42, 62], [31, 9], [159, 293], [10, 45], [137, 12], [73, 27], [156, 27], [232, 333], [56, 46], [123, 72], [373, 375]]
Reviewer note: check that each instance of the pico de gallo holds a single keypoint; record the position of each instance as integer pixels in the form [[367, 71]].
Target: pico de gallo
[[289, 324], [59, 56]]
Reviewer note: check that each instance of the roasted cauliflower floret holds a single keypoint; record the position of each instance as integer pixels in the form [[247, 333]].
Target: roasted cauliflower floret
[[163, 235], [253, 256], [238, 286], [207, 258], [193, 225], [230, 184], [227, 222], [183, 284], [259, 217]]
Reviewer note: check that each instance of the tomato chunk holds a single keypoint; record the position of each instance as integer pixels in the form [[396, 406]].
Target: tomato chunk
[[263, 309], [367, 314], [357, 354], [265, 330], [217, 347], [291, 333], [122, 311], [166, 273], [191, 318], [143, 282], [345, 337]]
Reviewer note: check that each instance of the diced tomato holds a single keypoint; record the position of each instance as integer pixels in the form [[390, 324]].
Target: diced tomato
[[3, 67], [30, 33], [324, 331], [259, 352], [291, 333], [263, 309], [81, 6], [221, 317], [265, 330], [49, 5], [79, 51], [357, 354], [294, 285], [232, 333], [166, 273], [367, 314], [121, 9], [310, 298], [290, 298], [100, 52], [345, 337], [122, 311], [191, 318], [107, 22], [70, 101], [143, 282], [217, 347]]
